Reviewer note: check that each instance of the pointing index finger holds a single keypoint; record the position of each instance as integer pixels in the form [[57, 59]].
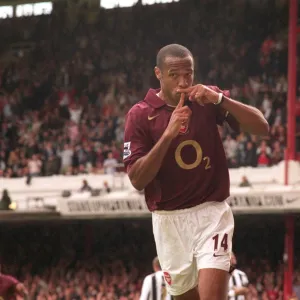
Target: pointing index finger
[[181, 101]]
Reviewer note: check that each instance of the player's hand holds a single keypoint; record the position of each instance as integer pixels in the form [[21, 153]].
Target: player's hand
[[21, 290], [201, 94], [179, 117]]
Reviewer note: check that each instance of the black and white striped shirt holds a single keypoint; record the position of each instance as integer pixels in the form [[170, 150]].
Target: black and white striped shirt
[[154, 287], [238, 279]]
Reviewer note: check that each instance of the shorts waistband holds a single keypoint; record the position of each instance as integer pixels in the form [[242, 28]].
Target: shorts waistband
[[187, 210]]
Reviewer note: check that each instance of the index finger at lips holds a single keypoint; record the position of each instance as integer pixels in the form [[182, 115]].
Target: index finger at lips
[[181, 101]]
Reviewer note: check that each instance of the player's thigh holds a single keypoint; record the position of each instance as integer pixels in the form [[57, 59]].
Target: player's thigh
[[175, 253], [213, 252], [192, 294], [213, 249], [213, 284]]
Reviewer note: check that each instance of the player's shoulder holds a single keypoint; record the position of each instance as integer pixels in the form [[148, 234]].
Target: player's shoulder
[[138, 110], [148, 278], [239, 272]]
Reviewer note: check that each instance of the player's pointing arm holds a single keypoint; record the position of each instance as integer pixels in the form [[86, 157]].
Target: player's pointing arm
[[144, 162], [250, 119]]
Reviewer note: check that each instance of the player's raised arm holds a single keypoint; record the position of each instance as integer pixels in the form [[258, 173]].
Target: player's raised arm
[[143, 170], [249, 118]]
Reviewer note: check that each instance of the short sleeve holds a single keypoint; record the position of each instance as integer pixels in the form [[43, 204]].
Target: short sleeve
[[137, 141], [245, 280]]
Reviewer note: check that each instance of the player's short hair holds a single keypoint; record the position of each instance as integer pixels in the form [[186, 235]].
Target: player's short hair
[[156, 263], [172, 50]]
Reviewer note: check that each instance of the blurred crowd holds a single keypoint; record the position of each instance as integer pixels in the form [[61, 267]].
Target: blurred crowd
[[64, 96], [266, 283], [108, 260], [75, 261]]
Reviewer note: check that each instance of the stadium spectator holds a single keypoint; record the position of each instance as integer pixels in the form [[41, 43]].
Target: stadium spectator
[[245, 182], [271, 291], [296, 285], [263, 155], [35, 165], [5, 201], [85, 186], [110, 164], [106, 186], [230, 147], [66, 158]]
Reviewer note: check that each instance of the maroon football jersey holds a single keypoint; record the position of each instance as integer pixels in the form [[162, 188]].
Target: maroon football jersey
[[194, 169], [7, 286]]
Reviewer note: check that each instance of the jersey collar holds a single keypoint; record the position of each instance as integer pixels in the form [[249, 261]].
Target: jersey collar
[[153, 100]]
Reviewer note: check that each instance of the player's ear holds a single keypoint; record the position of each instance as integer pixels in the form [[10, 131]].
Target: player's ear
[[157, 73]]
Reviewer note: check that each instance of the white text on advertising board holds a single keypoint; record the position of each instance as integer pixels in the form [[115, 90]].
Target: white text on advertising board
[[255, 201], [105, 206]]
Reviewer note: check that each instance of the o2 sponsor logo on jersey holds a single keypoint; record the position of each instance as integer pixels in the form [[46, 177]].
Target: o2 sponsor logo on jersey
[[168, 278], [126, 151]]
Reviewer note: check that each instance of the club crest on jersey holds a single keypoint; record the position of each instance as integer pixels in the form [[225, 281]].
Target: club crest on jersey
[[168, 278], [183, 129]]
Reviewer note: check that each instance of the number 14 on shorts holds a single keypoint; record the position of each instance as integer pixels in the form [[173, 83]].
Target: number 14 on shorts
[[220, 244]]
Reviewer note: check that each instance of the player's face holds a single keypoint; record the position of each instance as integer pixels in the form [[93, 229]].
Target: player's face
[[176, 73]]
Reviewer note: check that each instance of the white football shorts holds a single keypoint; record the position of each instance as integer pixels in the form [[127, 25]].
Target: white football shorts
[[191, 239]]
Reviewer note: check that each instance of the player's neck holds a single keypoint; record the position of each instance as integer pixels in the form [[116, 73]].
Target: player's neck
[[169, 102]]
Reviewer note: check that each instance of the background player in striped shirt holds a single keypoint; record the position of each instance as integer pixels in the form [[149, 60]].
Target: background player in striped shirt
[[238, 282], [154, 285]]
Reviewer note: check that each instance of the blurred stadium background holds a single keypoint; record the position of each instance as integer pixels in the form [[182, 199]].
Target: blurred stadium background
[[72, 226]]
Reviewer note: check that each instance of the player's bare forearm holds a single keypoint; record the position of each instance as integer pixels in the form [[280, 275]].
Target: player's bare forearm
[[250, 119], [146, 168]]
